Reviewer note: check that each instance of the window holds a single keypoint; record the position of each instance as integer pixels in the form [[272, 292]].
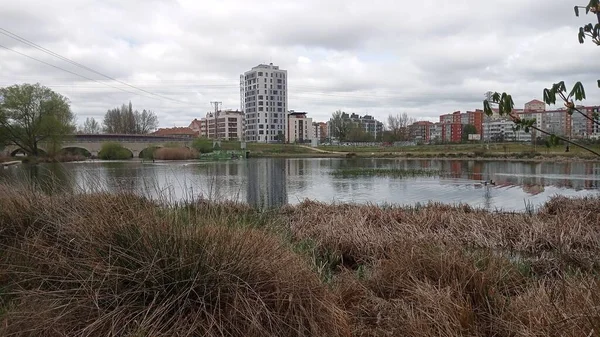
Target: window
[[275, 115], [260, 73], [260, 102], [260, 96], [265, 88], [275, 92], [279, 104], [260, 126], [279, 81], [279, 109], [272, 98], [260, 132], [279, 87], [260, 108]]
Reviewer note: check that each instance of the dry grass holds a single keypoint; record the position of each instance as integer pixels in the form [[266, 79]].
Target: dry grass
[[175, 153], [120, 265], [117, 265]]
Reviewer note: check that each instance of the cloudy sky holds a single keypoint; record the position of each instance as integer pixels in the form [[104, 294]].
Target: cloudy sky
[[378, 57]]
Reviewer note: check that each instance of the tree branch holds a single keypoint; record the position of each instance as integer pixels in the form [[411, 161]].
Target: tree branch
[[566, 140]]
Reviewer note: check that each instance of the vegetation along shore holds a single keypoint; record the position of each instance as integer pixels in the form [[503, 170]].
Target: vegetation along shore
[[117, 264]]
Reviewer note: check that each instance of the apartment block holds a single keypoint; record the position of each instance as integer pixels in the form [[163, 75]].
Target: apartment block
[[420, 131], [320, 131], [228, 125], [264, 103], [300, 128]]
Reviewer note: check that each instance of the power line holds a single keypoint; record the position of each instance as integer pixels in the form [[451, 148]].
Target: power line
[[34, 45], [70, 72]]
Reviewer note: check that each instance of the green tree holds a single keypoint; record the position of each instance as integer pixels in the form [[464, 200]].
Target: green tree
[[468, 129], [31, 114], [505, 104], [340, 125]]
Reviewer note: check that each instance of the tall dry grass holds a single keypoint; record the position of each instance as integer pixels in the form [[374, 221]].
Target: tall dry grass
[[114, 264], [175, 153], [117, 265]]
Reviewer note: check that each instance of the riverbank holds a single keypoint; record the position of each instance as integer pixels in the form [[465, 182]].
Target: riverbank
[[103, 264]]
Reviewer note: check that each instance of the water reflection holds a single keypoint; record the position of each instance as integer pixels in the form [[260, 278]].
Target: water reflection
[[266, 187], [268, 183]]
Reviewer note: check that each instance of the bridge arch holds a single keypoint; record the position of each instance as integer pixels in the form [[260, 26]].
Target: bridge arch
[[149, 151], [17, 150], [76, 150]]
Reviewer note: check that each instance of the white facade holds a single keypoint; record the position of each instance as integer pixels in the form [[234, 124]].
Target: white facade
[[435, 132], [229, 125], [264, 101], [502, 130], [300, 128]]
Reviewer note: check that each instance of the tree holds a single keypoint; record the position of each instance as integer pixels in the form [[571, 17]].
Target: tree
[[31, 114], [468, 129], [91, 126], [126, 121], [358, 134], [340, 125], [398, 126], [505, 103]]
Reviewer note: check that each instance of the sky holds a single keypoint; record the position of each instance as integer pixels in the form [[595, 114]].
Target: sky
[[376, 57]]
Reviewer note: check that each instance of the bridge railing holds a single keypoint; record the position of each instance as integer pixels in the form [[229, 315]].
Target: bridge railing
[[126, 138]]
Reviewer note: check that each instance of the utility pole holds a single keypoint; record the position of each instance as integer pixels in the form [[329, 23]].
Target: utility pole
[[216, 105]]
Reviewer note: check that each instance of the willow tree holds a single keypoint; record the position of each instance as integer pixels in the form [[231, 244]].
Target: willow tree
[[31, 114], [558, 91]]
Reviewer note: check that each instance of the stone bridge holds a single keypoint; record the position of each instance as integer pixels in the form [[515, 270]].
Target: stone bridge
[[93, 143]]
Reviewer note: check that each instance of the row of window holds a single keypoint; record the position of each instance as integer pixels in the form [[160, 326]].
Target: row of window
[[277, 74]]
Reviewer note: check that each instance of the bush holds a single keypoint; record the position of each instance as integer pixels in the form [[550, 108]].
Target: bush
[[179, 153], [114, 151], [203, 145]]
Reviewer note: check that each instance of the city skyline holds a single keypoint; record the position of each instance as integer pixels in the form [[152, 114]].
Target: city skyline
[[349, 56]]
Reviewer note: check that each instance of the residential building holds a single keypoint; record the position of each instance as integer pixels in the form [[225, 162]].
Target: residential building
[[320, 131], [199, 126], [452, 127], [420, 131], [229, 125], [435, 132], [535, 105], [300, 128], [369, 124], [504, 130], [264, 103], [183, 132]]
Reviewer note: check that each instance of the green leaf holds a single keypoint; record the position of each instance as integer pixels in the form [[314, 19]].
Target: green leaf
[[487, 109], [526, 129], [581, 35], [578, 92], [576, 10], [496, 96], [598, 83]]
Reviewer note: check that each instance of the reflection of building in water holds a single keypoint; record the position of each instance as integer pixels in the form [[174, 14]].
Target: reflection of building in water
[[266, 183]]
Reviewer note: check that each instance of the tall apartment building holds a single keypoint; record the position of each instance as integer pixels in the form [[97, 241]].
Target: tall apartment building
[[229, 125], [420, 131], [264, 103]]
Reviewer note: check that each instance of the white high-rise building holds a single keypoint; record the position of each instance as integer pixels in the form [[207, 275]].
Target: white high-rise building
[[264, 102]]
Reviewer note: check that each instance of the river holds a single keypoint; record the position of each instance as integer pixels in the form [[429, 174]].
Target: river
[[272, 182]]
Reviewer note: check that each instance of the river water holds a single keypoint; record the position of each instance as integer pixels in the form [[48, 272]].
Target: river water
[[272, 182]]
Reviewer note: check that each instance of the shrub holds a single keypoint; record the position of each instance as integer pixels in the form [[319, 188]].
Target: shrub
[[179, 153], [114, 151], [203, 145]]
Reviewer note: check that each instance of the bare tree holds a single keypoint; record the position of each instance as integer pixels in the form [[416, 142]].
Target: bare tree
[[126, 121], [90, 126], [398, 125]]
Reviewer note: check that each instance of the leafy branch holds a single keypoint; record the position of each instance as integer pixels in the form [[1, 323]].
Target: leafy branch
[[506, 105], [578, 93], [590, 30]]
